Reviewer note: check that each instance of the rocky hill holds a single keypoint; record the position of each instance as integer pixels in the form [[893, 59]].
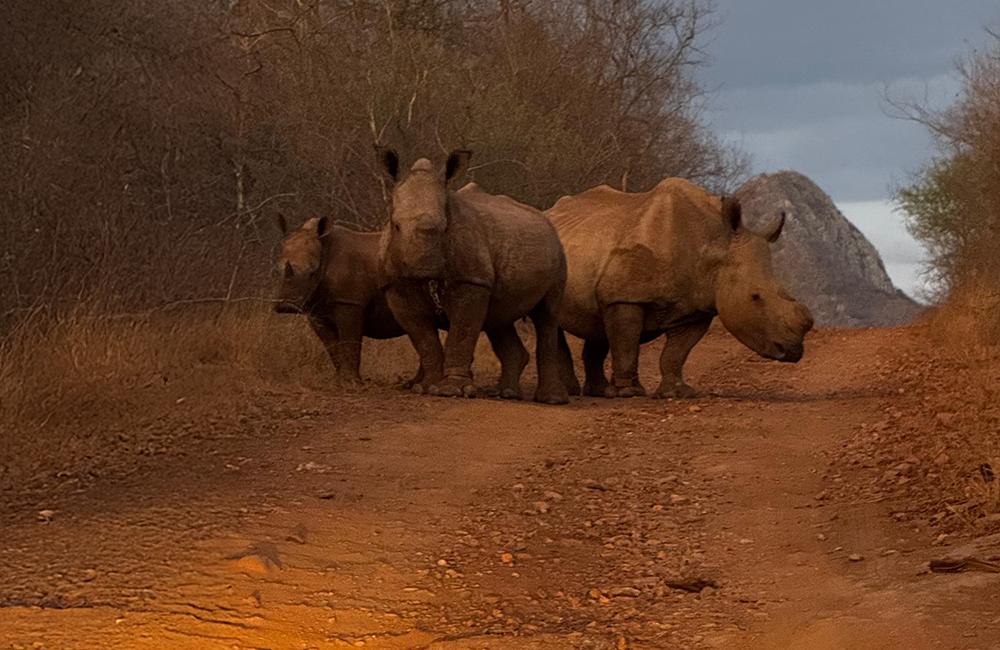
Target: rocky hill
[[821, 258]]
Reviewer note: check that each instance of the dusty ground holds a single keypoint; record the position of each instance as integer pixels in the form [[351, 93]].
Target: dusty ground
[[300, 519]]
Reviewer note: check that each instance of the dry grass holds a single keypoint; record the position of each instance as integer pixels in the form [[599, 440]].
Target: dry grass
[[961, 402], [966, 330], [70, 384], [968, 323]]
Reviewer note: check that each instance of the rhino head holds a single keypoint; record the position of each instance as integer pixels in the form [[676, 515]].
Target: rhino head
[[300, 265], [417, 228], [751, 303]]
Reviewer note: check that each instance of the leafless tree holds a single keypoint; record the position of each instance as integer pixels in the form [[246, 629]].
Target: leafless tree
[[147, 144]]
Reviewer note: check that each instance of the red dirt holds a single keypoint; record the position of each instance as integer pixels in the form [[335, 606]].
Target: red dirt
[[302, 519]]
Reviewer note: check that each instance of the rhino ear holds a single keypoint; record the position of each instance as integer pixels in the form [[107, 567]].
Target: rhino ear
[[321, 226], [389, 160], [458, 163], [732, 213], [279, 219], [773, 236]]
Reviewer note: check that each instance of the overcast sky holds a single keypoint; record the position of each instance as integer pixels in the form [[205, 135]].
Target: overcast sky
[[801, 84]]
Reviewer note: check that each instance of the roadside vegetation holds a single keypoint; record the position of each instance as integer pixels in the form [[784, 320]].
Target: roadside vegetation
[[953, 203], [953, 206], [148, 147]]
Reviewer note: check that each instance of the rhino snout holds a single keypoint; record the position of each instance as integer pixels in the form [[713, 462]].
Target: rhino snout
[[788, 353]]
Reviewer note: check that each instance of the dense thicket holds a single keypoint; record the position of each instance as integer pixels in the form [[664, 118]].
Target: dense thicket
[[953, 204], [147, 144]]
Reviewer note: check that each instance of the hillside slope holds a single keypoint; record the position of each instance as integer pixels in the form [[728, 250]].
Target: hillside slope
[[822, 258]]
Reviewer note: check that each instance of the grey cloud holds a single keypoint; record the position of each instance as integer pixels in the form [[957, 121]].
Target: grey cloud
[[837, 133], [851, 158], [802, 85], [805, 41], [761, 107]]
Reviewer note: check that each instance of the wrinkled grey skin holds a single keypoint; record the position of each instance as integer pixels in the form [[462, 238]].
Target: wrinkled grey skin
[[493, 260], [329, 274], [667, 261]]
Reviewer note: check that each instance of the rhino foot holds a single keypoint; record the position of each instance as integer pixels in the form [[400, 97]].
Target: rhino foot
[[679, 390], [595, 390], [552, 397], [453, 387], [635, 390], [502, 392], [351, 383]]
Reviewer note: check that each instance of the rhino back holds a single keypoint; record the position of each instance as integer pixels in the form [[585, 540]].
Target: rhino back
[[510, 245], [634, 247], [351, 263]]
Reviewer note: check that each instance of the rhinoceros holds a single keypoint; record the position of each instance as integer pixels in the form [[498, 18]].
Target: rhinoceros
[[489, 261], [330, 274], [667, 261]]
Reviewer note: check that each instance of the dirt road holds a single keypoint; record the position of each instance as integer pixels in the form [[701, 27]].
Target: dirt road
[[383, 520]]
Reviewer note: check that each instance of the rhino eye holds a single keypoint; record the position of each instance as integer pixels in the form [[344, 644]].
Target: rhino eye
[[289, 271], [755, 297]]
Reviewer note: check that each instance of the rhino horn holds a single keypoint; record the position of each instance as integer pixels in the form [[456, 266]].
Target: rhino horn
[[774, 234]]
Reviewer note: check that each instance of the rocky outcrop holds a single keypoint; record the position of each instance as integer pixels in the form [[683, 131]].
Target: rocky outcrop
[[821, 258]]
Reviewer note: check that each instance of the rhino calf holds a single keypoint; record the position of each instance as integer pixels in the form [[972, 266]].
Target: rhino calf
[[493, 260], [329, 275], [667, 262]]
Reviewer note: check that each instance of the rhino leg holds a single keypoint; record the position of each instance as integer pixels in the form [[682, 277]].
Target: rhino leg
[[551, 387], [566, 368], [415, 380], [349, 320], [415, 314], [623, 323], [680, 342], [594, 354], [327, 335], [513, 358], [467, 308]]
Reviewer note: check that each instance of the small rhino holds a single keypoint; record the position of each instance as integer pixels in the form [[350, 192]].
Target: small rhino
[[328, 273]]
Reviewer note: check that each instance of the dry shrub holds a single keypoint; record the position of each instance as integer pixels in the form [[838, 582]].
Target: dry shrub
[[953, 207], [968, 324], [953, 204]]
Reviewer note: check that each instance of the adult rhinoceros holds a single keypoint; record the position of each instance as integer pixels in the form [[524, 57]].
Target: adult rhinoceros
[[667, 261], [489, 260]]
